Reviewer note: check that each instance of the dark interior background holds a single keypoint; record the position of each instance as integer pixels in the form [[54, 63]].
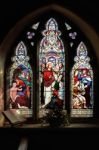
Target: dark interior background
[[10, 13]]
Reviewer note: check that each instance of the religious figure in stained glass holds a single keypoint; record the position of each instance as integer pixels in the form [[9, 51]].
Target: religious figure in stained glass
[[52, 63], [82, 84], [20, 80]]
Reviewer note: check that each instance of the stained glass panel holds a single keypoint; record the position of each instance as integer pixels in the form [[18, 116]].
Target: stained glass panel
[[21, 88], [82, 84], [52, 67]]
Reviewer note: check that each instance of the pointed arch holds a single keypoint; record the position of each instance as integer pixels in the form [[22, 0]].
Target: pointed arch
[[52, 64], [20, 26], [82, 84], [20, 81]]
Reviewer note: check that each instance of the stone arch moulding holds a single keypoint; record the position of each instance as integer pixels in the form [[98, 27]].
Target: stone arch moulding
[[85, 28], [16, 30]]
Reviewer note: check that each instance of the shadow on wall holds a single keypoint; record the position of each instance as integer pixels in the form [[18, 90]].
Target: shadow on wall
[[1, 108], [15, 32]]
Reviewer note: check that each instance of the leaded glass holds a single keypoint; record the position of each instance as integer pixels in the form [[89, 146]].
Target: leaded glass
[[52, 67], [82, 84], [68, 26], [35, 26], [21, 88]]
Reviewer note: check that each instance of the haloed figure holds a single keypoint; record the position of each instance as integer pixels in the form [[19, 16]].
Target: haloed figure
[[48, 79], [87, 81]]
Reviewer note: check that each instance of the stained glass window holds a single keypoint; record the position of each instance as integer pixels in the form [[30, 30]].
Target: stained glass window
[[82, 84], [52, 50], [20, 92], [52, 64]]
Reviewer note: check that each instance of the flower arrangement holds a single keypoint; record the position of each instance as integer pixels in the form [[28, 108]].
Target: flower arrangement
[[56, 118]]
